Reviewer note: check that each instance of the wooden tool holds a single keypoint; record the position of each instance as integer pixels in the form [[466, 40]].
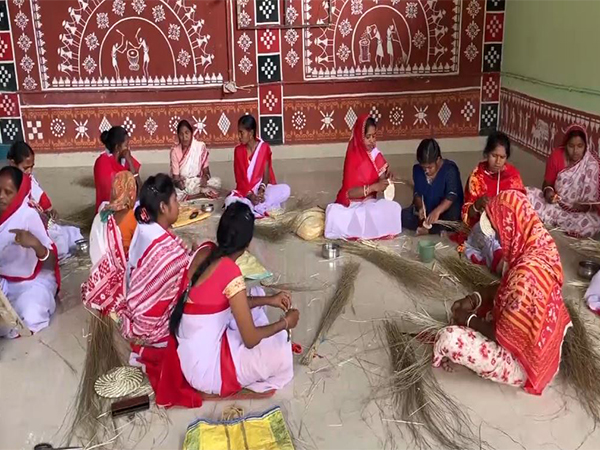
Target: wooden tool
[[130, 406]]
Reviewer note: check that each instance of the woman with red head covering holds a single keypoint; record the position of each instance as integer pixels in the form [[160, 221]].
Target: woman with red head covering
[[357, 213], [512, 333], [570, 195], [29, 273]]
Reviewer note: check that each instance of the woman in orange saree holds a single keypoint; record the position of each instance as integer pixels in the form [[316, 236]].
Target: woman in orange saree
[[514, 335]]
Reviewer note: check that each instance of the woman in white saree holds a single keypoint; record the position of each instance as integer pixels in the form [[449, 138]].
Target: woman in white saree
[[189, 166]]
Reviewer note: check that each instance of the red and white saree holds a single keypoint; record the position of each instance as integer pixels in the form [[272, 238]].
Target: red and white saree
[[362, 218], [29, 287], [249, 172]]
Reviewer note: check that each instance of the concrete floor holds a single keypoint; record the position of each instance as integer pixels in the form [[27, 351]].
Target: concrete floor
[[333, 403]]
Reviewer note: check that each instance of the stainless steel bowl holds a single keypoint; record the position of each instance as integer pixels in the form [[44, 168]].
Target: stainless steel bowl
[[330, 250], [587, 269], [82, 247], [207, 207]]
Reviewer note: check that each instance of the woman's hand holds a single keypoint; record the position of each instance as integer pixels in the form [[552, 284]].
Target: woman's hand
[[292, 316], [25, 239], [282, 300], [467, 304], [253, 198], [481, 203], [179, 184], [582, 207], [550, 195], [422, 215], [389, 175], [52, 214], [380, 186], [433, 217], [261, 193], [461, 317]]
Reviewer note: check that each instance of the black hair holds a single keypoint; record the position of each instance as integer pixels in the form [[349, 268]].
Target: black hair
[[15, 174], [497, 138], [248, 122], [370, 122], [113, 138], [575, 133], [156, 190], [428, 151], [186, 124], [19, 151], [234, 234]]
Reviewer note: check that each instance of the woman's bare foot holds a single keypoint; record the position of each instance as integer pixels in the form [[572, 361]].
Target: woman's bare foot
[[447, 365]]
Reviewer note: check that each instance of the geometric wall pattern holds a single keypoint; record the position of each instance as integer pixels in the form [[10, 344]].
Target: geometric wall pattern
[[306, 68]]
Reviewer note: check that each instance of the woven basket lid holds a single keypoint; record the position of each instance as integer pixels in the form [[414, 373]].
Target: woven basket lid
[[119, 382], [486, 225]]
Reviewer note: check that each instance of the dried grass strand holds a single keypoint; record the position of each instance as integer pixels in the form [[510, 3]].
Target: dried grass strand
[[432, 418], [341, 297], [454, 225], [90, 423], [82, 219], [467, 274], [580, 363], [413, 277]]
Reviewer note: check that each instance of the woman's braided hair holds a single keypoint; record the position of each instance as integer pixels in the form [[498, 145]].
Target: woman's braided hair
[[234, 234]]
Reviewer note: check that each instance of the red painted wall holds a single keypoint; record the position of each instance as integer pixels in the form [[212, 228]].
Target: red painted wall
[[305, 68]]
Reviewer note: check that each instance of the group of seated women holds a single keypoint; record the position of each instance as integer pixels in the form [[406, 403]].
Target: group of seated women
[[195, 327]]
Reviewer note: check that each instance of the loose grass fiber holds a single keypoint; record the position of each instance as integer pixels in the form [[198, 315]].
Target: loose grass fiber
[[580, 363], [413, 277], [430, 416], [91, 424], [335, 306], [467, 274], [590, 248], [454, 225], [82, 219]]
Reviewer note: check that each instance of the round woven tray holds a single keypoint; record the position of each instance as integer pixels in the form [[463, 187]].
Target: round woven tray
[[119, 382]]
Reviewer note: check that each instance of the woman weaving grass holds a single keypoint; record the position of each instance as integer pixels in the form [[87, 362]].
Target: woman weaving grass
[[519, 343]]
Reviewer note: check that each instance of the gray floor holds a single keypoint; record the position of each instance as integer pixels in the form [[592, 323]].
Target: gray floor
[[335, 403]]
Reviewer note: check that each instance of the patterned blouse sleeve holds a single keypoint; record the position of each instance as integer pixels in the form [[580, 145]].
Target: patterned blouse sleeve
[[237, 283]]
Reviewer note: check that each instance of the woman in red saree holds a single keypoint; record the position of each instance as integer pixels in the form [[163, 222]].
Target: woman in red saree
[[115, 159], [357, 213], [256, 185], [570, 195], [491, 176], [519, 343]]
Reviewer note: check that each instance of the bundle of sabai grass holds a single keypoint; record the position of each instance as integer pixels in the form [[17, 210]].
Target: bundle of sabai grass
[[342, 295], [467, 274], [432, 418], [413, 277], [580, 363], [86, 181], [278, 226], [589, 248], [91, 420], [454, 225], [82, 219]]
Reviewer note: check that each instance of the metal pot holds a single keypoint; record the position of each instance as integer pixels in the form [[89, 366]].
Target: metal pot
[[82, 247], [330, 250], [587, 269], [207, 207]]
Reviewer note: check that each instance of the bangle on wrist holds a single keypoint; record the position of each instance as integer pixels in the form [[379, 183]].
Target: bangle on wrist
[[549, 187], [287, 326], [365, 190], [469, 319], [47, 255], [479, 300]]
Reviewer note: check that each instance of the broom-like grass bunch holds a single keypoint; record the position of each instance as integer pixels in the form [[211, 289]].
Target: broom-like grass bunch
[[580, 363], [467, 274], [277, 227], [91, 423], [454, 225], [412, 277], [342, 295], [82, 219], [432, 418], [590, 248]]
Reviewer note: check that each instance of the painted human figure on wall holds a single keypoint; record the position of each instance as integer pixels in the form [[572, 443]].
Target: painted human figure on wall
[[394, 37], [146, 49], [375, 34], [115, 50]]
